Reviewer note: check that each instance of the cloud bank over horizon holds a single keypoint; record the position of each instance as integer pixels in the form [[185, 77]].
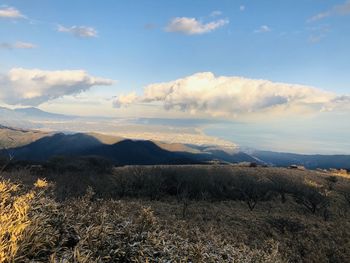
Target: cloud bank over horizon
[[32, 87], [222, 96]]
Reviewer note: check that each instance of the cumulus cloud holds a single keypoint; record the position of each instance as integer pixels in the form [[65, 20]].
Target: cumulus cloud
[[10, 12], [17, 45], [231, 96], [125, 100], [34, 86], [337, 10], [192, 26], [338, 103], [78, 31], [263, 29]]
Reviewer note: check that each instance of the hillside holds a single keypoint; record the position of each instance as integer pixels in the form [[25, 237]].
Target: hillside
[[33, 145], [74, 145], [196, 213], [14, 137], [39, 146]]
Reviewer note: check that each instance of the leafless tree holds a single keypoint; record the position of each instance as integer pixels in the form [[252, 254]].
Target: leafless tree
[[311, 198]]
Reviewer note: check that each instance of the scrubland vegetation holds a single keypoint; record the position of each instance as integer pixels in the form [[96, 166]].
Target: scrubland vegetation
[[87, 211]]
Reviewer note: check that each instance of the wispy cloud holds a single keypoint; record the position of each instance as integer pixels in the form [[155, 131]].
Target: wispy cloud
[[231, 96], [216, 13], [192, 26], [35, 86], [263, 29], [337, 10], [17, 45], [318, 33], [242, 8], [78, 31], [10, 12]]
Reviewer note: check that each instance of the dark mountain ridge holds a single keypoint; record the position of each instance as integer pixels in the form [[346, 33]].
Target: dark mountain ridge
[[309, 161], [125, 152], [37, 146]]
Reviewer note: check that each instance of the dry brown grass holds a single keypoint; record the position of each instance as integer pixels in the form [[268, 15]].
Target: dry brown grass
[[37, 228], [34, 228]]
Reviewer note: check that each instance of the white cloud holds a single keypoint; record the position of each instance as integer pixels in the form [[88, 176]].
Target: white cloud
[[10, 12], [125, 100], [337, 10], [34, 86], [232, 96], [17, 45], [338, 103], [192, 26], [78, 31], [263, 29], [242, 8]]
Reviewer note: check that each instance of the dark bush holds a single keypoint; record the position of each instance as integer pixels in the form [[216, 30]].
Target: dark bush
[[282, 185], [284, 225], [90, 164]]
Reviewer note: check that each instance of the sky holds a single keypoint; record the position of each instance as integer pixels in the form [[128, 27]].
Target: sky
[[278, 71]]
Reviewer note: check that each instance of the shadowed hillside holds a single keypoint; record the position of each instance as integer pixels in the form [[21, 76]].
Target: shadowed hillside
[[120, 153], [37, 146], [57, 144]]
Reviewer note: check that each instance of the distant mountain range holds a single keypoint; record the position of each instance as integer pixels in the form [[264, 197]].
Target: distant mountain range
[[119, 151], [309, 161], [40, 146], [35, 113], [31, 113], [27, 143]]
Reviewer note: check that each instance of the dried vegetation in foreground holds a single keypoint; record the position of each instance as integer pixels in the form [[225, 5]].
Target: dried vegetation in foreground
[[241, 215]]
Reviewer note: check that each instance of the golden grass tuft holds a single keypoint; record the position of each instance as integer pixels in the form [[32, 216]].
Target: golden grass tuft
[[41, 183]]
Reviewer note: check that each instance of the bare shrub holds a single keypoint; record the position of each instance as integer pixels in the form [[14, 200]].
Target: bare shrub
[[282, 185], [254, 190], [331, 181], [310, 197]]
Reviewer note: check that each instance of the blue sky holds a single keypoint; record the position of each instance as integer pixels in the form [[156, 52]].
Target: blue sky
[[139, 43], [126, 51]]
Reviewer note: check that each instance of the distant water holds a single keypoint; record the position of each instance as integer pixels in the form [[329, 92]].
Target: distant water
[[309, 138]]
